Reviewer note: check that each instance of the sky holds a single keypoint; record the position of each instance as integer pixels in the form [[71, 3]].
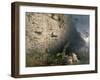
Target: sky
[[81, 22]]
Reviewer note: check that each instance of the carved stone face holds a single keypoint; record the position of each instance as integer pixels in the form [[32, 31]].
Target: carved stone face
[[46, 32]]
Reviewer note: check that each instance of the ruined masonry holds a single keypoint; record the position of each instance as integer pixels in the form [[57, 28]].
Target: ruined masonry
[[46, 32]]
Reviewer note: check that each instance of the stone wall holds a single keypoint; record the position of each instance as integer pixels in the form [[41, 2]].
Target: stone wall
[[46, 32]]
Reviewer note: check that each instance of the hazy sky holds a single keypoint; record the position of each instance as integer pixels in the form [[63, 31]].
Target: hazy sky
[[81, 22]]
